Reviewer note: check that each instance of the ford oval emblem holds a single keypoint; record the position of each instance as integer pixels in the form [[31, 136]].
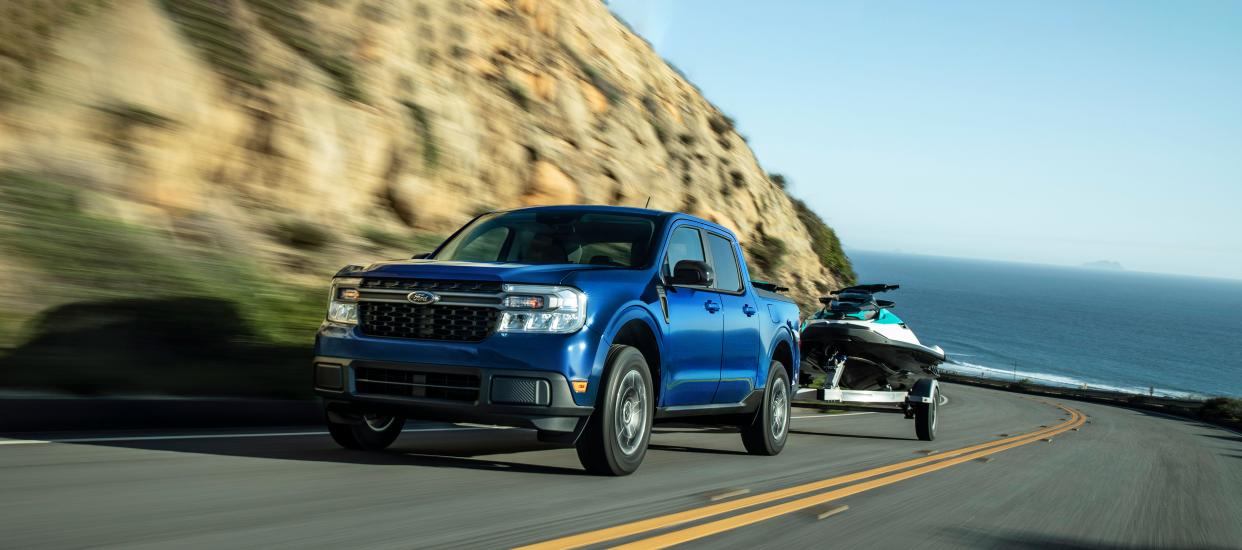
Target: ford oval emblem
[[422, 297]]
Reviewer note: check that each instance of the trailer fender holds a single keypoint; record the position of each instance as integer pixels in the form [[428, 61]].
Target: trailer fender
[[924, 391]]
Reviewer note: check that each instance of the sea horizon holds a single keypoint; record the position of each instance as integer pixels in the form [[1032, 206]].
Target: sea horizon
[[1069, 326], [850, 250]]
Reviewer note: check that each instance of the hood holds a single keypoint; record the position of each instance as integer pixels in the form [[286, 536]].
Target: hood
[[471, 271]]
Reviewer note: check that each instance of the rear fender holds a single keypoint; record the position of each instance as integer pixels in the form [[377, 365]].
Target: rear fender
[[785, 335]]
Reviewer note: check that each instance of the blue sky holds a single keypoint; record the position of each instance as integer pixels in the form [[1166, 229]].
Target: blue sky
[[1050, 132]]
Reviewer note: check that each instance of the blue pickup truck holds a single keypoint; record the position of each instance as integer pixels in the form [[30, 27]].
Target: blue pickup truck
[[585, 323]]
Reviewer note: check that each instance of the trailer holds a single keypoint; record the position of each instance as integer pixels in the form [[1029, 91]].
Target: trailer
[[920, 403]]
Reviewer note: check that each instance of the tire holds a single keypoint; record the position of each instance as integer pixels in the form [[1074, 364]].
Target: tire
[[767, 433], [373, 433], [925, 417], [614, 441]]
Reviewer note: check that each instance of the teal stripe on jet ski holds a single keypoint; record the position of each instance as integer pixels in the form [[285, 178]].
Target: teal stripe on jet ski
[[887, 317]]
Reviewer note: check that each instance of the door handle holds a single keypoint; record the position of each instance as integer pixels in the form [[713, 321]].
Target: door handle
[[749, 310], [711, 306]]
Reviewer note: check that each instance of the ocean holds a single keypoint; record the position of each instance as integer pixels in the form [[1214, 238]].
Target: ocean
[[1107, 329]]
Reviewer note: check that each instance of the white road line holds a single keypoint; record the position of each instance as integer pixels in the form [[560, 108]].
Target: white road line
[[180, 437], [213, 436], [831, 415]]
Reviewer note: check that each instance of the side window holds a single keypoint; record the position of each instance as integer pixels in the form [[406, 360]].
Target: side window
[[683, 244], [724, 263]]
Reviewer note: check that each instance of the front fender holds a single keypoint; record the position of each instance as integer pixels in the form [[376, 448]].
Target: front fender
[[628, 313]]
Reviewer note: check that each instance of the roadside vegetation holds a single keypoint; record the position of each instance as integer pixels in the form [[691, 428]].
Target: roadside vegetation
[[825, 243], [1222, 409], [112, 306], [217, 31], [213, 29]]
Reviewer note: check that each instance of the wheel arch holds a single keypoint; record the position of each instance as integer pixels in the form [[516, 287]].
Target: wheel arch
[[635, 327], [783, 352]]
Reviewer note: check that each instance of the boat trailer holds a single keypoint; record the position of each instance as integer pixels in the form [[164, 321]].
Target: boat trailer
[[920, 403]]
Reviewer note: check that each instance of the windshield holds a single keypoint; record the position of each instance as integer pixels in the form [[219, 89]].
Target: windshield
[[618, 240]]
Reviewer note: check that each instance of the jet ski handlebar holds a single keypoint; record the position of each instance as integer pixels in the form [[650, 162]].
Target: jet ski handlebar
[[870, 289]]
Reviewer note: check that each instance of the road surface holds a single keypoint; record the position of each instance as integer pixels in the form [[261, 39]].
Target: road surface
[[1123, 479]]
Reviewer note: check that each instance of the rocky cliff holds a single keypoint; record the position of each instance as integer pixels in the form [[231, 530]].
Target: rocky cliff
[[300, 135]]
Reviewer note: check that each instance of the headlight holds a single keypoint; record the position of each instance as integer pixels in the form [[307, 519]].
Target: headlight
[[343, 303], [542, 309]]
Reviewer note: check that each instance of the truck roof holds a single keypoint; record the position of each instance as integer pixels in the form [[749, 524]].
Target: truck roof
[[661, 214]]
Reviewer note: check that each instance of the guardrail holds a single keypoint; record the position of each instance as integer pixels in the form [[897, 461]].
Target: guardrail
[[1179, 406]]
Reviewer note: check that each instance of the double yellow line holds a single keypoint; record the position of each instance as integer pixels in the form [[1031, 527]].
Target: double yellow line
[[904, 470]]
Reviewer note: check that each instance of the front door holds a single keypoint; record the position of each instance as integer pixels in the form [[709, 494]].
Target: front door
[[694, 339]]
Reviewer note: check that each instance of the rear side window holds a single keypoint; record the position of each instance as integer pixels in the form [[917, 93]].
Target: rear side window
[[724, 263], [683, 244]]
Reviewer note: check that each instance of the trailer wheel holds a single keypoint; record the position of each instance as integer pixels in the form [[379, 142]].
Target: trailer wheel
[[925, 417]]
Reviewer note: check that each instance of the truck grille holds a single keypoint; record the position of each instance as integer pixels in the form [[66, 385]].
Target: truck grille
[[412, 383], [423, 322]]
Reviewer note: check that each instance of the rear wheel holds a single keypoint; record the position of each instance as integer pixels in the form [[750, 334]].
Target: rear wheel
[[615, 439], [925, 417], [374, 433], [767, 433]]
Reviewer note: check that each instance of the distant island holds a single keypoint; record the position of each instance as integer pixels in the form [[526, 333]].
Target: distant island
[[1103, 264]]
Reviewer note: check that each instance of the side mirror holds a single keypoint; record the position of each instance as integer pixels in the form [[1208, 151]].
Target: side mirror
[[693, 273], [421, 256]]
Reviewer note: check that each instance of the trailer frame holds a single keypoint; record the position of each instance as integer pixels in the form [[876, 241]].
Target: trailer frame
[[920, 403]]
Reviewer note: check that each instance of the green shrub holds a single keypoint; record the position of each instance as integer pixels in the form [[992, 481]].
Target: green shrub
[[596, 77], [129, 114], [825, 243], [1024, 384], [778, 180], [517, 92], [721, 123], [1222, 408], [422, 125], [283, 18], [211, 27], [303, 234], [767, 255]]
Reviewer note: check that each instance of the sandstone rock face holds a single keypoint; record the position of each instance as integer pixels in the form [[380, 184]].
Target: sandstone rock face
[[408, 115]]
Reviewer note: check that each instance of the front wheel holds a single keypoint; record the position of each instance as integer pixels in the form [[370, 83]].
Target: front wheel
[[767, 433], [615, 439], [374, 433]]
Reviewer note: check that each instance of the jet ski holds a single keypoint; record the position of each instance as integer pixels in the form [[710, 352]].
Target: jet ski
[[856, 342]]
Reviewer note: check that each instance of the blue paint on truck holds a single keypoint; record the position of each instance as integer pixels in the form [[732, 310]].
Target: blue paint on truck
[[521, 318]]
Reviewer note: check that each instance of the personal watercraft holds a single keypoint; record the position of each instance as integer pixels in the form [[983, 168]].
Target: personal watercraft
[[857, 343]]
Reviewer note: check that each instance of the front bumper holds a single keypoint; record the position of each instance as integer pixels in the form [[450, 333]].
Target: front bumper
[[521, 398]]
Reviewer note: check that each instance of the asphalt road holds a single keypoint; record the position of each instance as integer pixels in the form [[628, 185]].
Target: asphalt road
[[1123, 479]]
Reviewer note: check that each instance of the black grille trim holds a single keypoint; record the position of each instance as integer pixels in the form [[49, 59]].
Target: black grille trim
[[417, 383], [427, 322], [421, 284]]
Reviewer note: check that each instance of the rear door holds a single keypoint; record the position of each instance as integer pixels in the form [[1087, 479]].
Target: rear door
[[739, 357], [694, 339]]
